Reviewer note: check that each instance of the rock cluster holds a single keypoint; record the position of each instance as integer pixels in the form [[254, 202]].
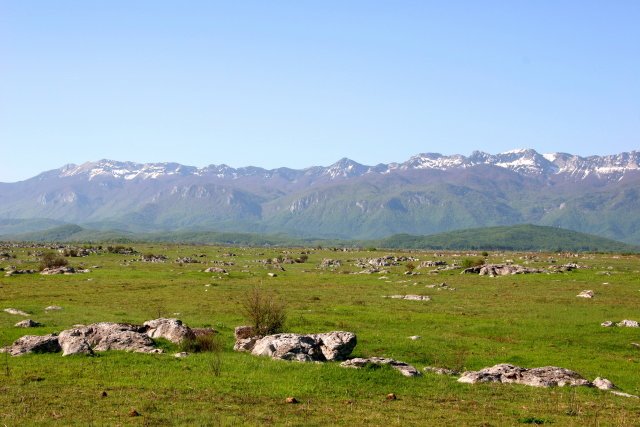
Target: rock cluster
[[103, 336], [330, 263], [624, 323], [547, 376], [335, 345], [62, 270]]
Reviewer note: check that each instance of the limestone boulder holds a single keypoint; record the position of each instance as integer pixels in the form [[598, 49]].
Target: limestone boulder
[[34, 344], [170, 329], [336, 345], [27, 323]]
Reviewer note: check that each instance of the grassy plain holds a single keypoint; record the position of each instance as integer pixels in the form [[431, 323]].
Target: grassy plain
[[529, 320]]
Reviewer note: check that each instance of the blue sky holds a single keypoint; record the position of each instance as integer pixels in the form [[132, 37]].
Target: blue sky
[[301, 83]]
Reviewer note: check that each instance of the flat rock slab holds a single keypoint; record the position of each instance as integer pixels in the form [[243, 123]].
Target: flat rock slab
[[336, 345], [360, 362], [15, 311], [547, 376]]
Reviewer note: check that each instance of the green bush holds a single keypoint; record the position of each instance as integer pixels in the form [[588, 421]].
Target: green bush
[[52, 260], [472, 262], [265, 312]]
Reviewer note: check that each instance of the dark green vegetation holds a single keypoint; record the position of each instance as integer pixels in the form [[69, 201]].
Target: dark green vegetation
[[528, 320], [524, 237]]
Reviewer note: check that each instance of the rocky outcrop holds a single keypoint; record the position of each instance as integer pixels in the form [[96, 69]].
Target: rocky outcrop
[[330, 263], [493, 270], [603, 384], [360, 362], [335, 345], [33, 344], [170, 329], [547, 376], [106, 336]]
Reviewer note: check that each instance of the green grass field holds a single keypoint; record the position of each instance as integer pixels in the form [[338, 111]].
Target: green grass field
[[528, 320]]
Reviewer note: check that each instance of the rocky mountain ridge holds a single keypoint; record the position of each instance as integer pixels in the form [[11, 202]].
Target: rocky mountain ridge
[[524, 161], [429, 193]]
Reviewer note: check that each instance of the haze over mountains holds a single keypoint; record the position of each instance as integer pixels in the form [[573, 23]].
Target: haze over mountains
[[429, 193]]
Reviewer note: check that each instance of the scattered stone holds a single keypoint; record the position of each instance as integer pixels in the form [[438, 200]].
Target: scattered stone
[[360, 362], [218, 270], [53, 308], [431, 264], [28, 323], [441, 286], [628, 324], [15, 311], [187, 260], [415, 337], [61, 270], [330, 263], [619, 393], [335, 345], [411, 297], [441, 371], [547, 376], [607, 324], [635, 344], [134, 413], [170, 329], [14, 272], [103, 394], [272, 275], [603, 384], [291, 400], [181, 355], [586, 294], [33, 344], [391, 396]]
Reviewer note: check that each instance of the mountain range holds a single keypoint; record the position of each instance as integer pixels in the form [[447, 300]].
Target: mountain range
[[427, 194]]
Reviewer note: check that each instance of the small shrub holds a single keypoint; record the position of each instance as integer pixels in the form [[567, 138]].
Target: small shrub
[[202, 342], [485, 254], [410, 266], [52, 260], [471, 262], [266, 312]]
